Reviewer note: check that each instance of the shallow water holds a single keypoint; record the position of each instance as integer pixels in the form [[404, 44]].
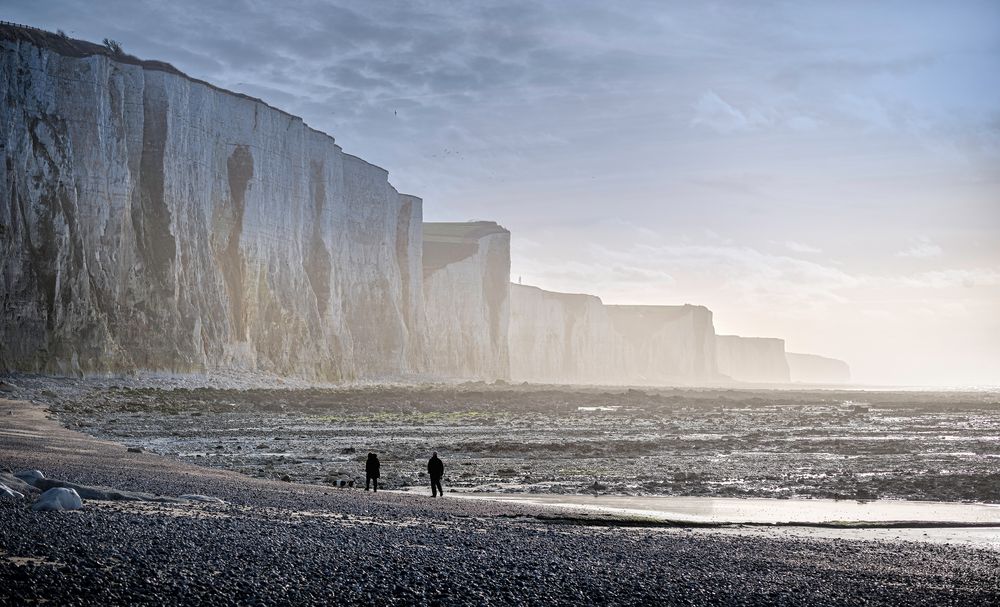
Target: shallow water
[[763, 511], [563, 441]]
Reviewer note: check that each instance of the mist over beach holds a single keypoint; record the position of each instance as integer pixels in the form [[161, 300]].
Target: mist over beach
[[502, 303]]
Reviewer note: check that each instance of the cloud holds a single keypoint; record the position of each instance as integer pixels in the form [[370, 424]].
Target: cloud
[[798, 247], [715, 113], [921, 248], [741, 275], [949, 279]]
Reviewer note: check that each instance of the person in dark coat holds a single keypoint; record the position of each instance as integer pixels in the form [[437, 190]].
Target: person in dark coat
[[372, 469], [435, 468]]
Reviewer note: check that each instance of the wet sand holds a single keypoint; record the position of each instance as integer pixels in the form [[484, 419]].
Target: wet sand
[[286, 543], [826, 444]]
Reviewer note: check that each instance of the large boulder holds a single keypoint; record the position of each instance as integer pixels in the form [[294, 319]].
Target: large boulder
[[58, 499], [16, 484], [6, 493], [97, 492], [30, 476]]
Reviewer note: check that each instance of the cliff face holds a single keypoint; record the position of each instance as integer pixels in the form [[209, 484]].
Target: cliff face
[[466, 273], [560, 337], [812, 369], [752, 359], [569, 338], [664, 344], [149, 221]]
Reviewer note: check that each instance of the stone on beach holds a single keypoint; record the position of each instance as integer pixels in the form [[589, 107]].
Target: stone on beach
[[96, 492], [16, 484], [30, 476], [197, 497], [8, 493], [34, 480], [58, 499]]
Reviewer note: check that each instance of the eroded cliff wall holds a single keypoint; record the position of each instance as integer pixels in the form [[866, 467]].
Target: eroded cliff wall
[[812, 369], [466, 274], [572, 338], [150, 221], [752, 359], [665, 344], [560, 337]]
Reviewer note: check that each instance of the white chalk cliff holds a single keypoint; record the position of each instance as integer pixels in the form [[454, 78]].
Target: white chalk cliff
[[151, 221], [571, 338], [466, 273], [752, 359], [812, 369], [560, 337]]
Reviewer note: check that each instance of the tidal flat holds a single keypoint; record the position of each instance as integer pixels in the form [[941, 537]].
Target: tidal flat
[[307, 543], [832, 444]]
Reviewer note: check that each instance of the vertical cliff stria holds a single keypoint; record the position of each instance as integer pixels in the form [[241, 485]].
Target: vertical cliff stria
[[812, 369], [752, 359], [466, 272], [149, 221]]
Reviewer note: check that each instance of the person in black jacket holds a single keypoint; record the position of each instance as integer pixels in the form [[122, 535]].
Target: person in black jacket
[[372, 469], [435, 467]]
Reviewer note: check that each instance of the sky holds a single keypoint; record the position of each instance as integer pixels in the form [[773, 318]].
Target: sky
[[824, 172]]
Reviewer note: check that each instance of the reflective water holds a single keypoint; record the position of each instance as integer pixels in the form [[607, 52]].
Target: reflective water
[[766, 511]]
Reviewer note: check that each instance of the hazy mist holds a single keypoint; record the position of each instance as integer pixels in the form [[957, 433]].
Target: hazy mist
[[828, 175]]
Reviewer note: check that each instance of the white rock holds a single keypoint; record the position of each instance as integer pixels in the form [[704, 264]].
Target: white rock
[[57, 499], [8, 493], [196, 497], [29, 476]]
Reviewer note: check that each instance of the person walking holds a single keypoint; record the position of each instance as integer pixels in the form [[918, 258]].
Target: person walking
[[372, 471], [435, 468]]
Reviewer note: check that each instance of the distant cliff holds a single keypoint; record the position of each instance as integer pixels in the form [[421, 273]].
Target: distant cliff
[[561, 338], [571, 338], [752, 359], [812, 369], [661, 344], [466, 274], [151, 221]]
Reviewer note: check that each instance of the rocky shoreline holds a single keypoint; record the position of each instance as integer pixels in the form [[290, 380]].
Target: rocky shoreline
[[845, 444], [290, 544]]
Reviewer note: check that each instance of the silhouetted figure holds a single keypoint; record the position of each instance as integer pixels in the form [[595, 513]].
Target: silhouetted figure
[[372, 470], [435, 467]]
